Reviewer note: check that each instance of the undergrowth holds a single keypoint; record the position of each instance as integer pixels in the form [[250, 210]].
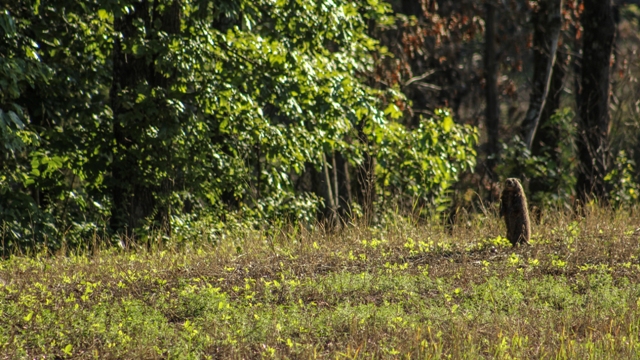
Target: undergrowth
[[410, 290]]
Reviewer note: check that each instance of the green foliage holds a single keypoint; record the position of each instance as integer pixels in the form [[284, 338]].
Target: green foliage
[[220, 112], [53, 65], [423, 163], [555, 167], [624, 189], [20, 68], [277, 98]]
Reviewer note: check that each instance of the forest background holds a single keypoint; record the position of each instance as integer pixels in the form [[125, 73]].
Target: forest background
[[136, 120]]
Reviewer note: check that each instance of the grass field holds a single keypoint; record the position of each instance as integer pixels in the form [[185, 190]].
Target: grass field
[[406, 291]]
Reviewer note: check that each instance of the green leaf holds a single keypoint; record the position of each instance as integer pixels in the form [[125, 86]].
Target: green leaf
[[447, 123], [393, 111], [67, 349], [28, 317], [103, 14], [16, 120], [7, 23]]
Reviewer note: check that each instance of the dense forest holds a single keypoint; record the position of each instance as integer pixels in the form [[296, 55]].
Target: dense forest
[[130, 120]]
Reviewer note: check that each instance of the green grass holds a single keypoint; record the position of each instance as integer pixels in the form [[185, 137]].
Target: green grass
[[407, 291]]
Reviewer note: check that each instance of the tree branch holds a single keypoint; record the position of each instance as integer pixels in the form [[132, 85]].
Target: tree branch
[[532, 119], [419, 77]]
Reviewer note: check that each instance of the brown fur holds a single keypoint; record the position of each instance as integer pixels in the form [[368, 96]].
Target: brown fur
[[513, 207]]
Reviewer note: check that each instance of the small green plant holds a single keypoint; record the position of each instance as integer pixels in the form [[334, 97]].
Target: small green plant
[[624, 189]]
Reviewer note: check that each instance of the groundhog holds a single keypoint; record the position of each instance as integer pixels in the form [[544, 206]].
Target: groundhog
[[513, 206]]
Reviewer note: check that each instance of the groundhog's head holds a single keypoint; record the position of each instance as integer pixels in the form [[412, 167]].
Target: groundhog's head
[[511, 183]]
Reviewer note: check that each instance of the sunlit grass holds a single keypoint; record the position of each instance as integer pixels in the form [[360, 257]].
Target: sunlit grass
[[405, 291]]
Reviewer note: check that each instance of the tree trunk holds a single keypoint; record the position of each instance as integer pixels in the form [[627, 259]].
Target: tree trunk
[[170, 19], [128, 71], [491, 90], [331, 200], [367, 187], [547, 139], [344, 186], [319, 183], [593, 129], [547, 22], [411, 7], [135, 198], [548, 136]]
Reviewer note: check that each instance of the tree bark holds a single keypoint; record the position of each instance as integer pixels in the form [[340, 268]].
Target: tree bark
[[593, 129], [367, 184], [128, 70], [344, 184], [134, 199], [491, 91], [319, 182], [170, 23], [547, 22], [329, 190], [547, 139], [411, 7]]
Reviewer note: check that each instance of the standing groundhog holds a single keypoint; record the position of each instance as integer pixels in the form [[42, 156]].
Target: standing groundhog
[[513, 207]]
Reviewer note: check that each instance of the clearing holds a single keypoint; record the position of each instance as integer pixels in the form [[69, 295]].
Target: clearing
[[403, 291]]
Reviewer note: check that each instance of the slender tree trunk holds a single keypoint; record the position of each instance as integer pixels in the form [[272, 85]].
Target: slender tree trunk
[[547, 140], [367, 183], [540, 136], [321, 186], [577, 85], [548, 135], [491, 90], [415, 94], [336, 190], [327, 180], [344, 184], [593, 129], [332, 183], [547, 22], [364, 190]]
